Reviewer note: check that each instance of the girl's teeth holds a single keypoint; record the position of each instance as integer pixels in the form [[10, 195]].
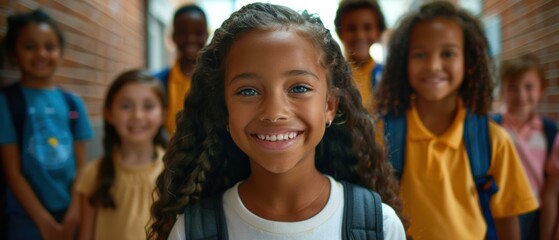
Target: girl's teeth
[[278, 137]]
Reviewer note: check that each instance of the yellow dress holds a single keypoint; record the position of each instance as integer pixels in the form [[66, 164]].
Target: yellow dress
[[132, 193]]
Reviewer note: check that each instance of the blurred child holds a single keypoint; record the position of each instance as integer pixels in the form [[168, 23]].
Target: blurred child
[[190, 33], [359, 24], [533, 135], [450, 159], [280, 128], [116, 191], [43, 129]]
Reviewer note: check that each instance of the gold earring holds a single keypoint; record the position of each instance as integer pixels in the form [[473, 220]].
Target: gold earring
[[329, 124]]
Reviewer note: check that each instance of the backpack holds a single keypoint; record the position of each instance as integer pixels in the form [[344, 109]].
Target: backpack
[[362, 217], [478, 148], [375, 75], [549, 129], [18, 109], [163, 77]]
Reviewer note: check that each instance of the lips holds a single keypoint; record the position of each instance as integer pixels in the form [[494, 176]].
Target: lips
[[434, 80]]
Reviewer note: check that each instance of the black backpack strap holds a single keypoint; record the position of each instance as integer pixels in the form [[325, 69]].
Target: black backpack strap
[[205, 219], [478, 147], [362, 214], [550, 131], [18, 107], [395, 130]]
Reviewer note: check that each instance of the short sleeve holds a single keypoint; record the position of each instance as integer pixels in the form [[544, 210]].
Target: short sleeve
[[391, 224], [515, 195], [84, 130], [86, 182], [7, 130], [178, 232], [553, 161]]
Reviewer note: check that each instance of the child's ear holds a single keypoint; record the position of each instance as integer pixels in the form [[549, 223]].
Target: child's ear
[[332, 102]]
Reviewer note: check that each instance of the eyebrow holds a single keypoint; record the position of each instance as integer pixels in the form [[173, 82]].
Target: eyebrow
[[451, 45], [292, 73]]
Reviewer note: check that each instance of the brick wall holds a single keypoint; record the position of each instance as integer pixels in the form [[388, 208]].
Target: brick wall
[[104, 38], [532, 26]]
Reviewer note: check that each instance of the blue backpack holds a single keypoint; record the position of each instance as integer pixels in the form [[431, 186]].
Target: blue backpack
[[549, 129], [375, 75], [163, 77], [362, 218], [478, 148]]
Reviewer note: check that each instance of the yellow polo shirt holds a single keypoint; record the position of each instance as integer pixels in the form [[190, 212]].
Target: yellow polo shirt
[[362, 77], [178, 88], [437, 187]]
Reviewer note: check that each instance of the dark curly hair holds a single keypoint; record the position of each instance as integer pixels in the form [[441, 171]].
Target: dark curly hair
[[393, 95], [19, 21], [202, 159], [105, 178], [350, 5]]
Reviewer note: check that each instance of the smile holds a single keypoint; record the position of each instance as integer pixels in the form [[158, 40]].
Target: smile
[[277, 137]]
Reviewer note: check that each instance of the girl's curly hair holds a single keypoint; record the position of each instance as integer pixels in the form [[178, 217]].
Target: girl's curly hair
[[202, 159], [393, 95]]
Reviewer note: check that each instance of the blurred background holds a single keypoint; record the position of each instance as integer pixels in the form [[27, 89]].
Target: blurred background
[[107, 37]]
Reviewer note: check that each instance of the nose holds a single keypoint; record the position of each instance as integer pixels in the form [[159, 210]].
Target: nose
[[41, 51], [138, 113], [361, 33], [274, 108], [435, 63]]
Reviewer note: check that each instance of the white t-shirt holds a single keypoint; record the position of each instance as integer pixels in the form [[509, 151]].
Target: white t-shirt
[[327, 224]]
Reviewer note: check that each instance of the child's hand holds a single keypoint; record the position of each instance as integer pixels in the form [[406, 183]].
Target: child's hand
[[71, 221], [51, 230]]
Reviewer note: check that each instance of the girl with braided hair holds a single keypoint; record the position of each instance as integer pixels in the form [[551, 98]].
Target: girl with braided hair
[[272, 126]]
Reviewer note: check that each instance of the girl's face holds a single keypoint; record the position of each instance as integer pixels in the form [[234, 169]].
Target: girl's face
[[359, 30], [278, 100], [436, 59], [190, 34], [37, 51], [523, 93], [136, 113]]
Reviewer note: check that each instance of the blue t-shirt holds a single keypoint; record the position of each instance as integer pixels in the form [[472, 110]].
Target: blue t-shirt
[[47, 151]]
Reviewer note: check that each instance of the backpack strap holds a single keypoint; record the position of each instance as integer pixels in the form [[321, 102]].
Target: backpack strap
[[498, 118], [375, 75], [362, 217], [395, 130], [163, 77], [550, 131], [478, 147], [205, 219], [17, 106]]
